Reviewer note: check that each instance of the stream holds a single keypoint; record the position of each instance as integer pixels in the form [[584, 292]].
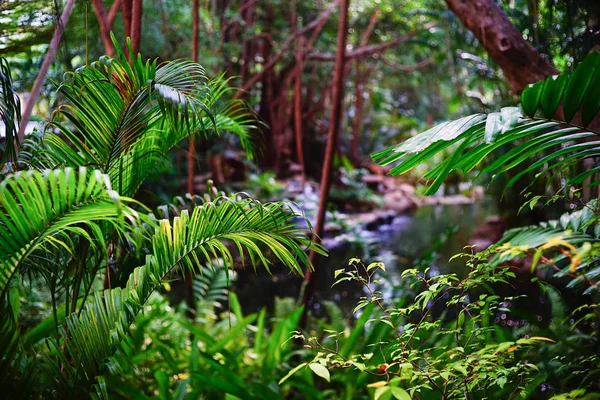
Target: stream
[[399, 243]]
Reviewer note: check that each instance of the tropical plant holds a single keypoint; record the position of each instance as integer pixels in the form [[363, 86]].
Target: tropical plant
[[441, 343], [68, 218], [561, 139], [559, 145]]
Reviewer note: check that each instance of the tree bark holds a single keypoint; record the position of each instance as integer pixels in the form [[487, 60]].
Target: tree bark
[[370, 50], [521, 63], [310, 279], [298, 93], [136, 26], [37, 85], [105, 21], [126, 8]]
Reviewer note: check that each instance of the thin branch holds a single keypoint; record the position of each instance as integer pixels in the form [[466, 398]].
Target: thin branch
[[370, 50], [408, 68]]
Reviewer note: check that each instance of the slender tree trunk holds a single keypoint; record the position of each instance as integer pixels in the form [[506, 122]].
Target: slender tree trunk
[[521, 63], [105, 21], [298, 108], [298, 92], [310, 279], [126, 8], [37, 85], [357, 122], [136, 26]]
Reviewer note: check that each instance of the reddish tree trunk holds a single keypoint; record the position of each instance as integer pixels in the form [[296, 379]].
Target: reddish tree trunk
[[310, 279], [126, 8], [298, 107], [105, 21], [136, 25], [298, 93], [357, 122], [521, 63]]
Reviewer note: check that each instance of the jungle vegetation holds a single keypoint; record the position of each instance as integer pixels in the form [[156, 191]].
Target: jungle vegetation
[[156, 157]]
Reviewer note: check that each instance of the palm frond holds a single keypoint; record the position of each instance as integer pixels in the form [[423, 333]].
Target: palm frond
[[564, 242], [122, 119], [95, 334], [42, 209], [10, 114], [211, 285], [555, 145]]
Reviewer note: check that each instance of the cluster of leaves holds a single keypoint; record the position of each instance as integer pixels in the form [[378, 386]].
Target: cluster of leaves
[[427, 351], [215, 354]]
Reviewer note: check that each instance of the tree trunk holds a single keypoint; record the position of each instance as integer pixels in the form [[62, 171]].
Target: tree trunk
[[310, 279], [136, 26], [298, 93], [105, 21], [37, 85], [126, 8], [357, 122], [521, 63]]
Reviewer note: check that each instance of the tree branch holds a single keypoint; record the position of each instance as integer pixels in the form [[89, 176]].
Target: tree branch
[[408, 68], [371, 49]]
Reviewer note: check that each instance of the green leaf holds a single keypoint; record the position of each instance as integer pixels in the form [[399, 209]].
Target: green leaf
[[530, 98], [320, 370], [292, 372], [552, 92], [579, 84], [399, 393], [380, 391], [493, 126], [374, 265]]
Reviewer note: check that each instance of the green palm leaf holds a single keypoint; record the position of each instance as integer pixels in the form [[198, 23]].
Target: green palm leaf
[[122, 118], [10, 113], [95, 334], [43, 209], [578, 228], [554, 145]]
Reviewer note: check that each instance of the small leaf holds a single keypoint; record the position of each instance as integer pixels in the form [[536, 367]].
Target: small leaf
[[292, 372], [338, 272], [536, 258], [320, 370], [460, 369], [531, 97], [376, 265], [400, 394], [542, 338], [377, 384], [501, 382], [380, 392]]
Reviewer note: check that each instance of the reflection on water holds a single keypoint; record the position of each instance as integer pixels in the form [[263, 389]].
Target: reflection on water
[[400, 244]]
